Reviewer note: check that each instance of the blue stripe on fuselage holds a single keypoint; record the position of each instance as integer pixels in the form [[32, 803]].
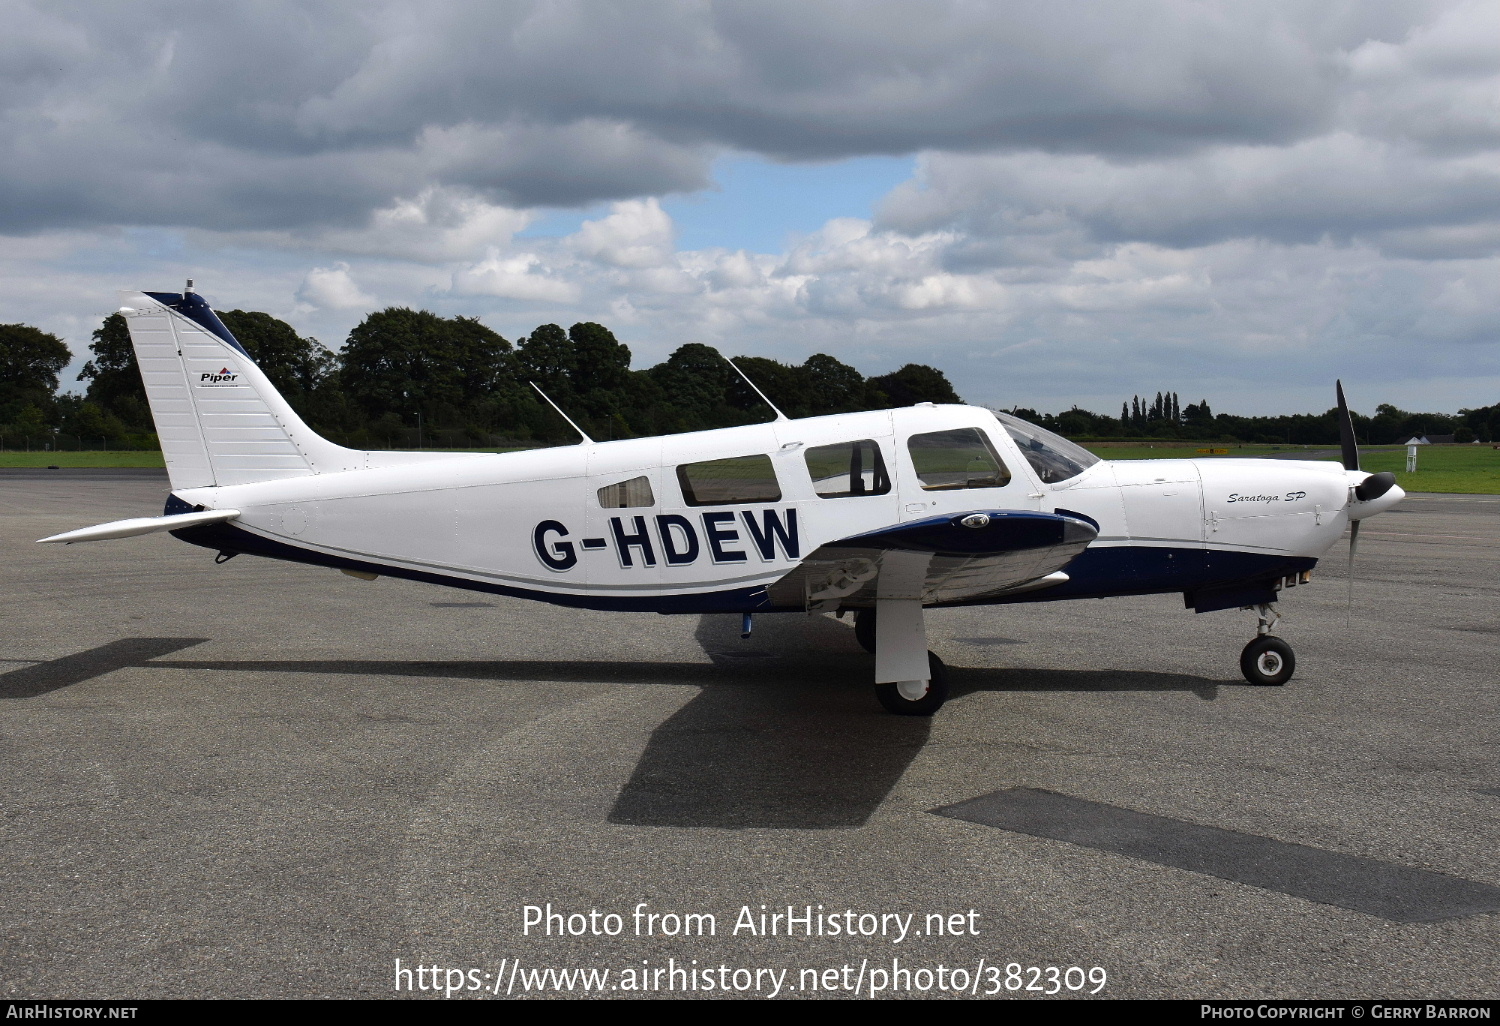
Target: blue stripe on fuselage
[[1103, 571], [1096, 573]]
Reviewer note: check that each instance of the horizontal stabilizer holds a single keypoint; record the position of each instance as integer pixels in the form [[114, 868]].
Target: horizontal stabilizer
[[142, 525]]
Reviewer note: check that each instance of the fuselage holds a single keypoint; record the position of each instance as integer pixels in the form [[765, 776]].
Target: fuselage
[[706, 521]]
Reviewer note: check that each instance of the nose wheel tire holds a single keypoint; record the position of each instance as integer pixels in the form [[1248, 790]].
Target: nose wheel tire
[[917, 697], [1267, 661]]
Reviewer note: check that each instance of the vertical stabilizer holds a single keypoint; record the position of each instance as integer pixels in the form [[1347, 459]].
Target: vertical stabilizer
[[219, 418]]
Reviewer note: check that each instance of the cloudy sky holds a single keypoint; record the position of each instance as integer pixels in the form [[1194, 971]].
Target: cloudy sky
[[1054, 202]]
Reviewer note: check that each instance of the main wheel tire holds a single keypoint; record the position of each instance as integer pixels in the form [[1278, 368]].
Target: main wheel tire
[[864, 629], [1267, 661], [911, 698]]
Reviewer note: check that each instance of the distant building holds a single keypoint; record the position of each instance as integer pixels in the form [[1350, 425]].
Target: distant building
[[1429, 440]]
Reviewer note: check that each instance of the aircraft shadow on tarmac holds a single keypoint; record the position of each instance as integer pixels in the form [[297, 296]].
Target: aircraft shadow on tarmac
[[966, 681], [784, 733], [811, 749], [807, 747]]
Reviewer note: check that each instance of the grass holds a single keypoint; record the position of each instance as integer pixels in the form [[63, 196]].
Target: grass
[[1189, 450], [1471, 469], [1461, 469], [81, 459]]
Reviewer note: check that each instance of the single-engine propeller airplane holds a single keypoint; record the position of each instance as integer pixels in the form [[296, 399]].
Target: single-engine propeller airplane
[[884, 513]]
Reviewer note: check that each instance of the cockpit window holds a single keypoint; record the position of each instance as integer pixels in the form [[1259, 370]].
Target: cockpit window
[[961, 458], [1053, 457]]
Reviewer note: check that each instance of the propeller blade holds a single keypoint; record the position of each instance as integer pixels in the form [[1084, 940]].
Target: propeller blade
[[1346, 431]]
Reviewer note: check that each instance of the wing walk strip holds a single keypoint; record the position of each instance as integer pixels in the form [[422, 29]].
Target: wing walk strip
[[1397, 893]]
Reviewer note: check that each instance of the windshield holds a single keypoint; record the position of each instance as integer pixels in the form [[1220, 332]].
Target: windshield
[[1053, 457]]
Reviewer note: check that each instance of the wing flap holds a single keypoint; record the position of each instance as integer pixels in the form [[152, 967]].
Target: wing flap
[[946, 559]]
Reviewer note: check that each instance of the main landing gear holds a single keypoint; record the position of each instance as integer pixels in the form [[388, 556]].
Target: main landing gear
[[1267, 661], [909, 680]]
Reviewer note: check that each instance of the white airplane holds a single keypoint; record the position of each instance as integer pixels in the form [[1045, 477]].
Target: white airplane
[[882, 513]]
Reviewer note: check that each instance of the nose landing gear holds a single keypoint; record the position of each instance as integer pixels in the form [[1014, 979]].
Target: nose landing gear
[[909, 680], [1267, 661], [917, 697]]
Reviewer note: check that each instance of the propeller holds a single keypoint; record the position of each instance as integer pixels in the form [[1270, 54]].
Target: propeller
[[1373, 486], [1351, 462], [1346, 432]]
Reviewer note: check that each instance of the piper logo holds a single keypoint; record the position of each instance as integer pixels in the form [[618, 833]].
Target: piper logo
[[226, 376]]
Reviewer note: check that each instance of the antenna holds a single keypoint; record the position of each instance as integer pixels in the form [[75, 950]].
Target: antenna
[[779, 414], [560, 413]]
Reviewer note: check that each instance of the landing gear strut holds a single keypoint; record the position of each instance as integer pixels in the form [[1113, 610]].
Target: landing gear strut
[[909, 680], [1267, 661]]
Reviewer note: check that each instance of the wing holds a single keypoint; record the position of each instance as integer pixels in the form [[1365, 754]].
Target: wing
[[943, 559]]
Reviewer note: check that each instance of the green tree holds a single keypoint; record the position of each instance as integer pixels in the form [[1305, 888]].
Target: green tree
[[916, 383], [115, 389], [29, 363], [834, 387], [784, 385], [694, 381], [548, 358], [600, 361], [403, 361], [297, 366]]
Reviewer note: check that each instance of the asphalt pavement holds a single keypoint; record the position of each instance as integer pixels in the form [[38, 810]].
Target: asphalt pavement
[[259, 779]]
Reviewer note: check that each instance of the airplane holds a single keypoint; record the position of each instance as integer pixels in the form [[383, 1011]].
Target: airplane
[[883, 514]]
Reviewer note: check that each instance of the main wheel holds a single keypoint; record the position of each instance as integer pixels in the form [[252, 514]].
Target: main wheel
[[917, 697], [1267, 661], [864, 629]]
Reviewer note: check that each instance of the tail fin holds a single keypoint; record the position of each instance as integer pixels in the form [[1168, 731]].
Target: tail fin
[[219, 418]]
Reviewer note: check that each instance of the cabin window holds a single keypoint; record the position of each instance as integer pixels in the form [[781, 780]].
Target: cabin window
[[1053, 457], [627, 494], [961, 458], [729, 482], [848, 468]]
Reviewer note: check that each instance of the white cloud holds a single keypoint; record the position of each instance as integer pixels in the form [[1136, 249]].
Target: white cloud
[[519, 276], [333, 288], [637, 233]]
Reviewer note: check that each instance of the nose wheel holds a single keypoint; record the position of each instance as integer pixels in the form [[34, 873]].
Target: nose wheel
[[909, 680], [1267, 661], [917, 697]]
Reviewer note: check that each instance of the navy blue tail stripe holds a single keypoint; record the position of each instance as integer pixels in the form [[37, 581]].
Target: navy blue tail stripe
[[196, 309]]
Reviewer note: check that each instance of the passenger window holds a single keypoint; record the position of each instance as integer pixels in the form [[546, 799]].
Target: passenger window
[[627, 494], [726, 482], [961, 458], [848, 468]]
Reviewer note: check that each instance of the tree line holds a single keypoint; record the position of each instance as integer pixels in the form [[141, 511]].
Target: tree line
[[1164, 419], [411, 377]]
